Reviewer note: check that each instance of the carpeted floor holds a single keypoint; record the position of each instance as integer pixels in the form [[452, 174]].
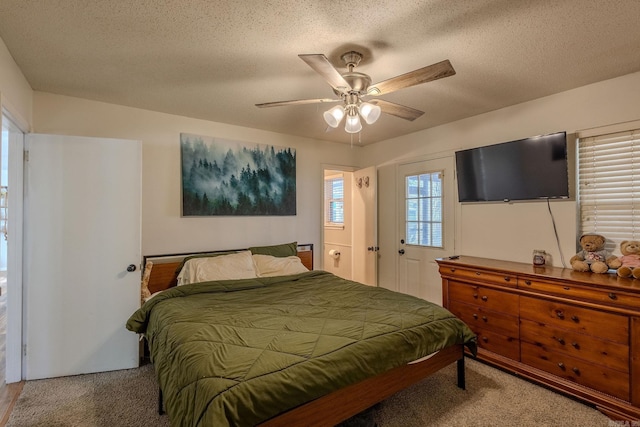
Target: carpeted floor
[[492, 398]]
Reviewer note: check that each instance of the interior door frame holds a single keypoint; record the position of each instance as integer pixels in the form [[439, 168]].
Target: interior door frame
[[14, 338], [324, 167]]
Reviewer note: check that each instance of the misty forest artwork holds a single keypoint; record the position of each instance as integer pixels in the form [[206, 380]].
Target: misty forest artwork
[[222, 177]]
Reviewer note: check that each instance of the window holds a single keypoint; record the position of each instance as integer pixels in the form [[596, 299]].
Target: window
[[609, 185], [334, 200], [423, 201]]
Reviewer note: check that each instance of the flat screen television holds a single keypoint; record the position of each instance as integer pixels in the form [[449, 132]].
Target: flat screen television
[[526, 169]]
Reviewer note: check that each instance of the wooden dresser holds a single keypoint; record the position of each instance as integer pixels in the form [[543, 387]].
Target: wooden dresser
[[577, 333]]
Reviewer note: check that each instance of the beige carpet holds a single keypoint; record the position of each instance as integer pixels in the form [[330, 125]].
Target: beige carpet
[[493, 398]]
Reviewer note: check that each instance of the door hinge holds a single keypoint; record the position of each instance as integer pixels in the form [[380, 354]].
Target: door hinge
[[26, 155]]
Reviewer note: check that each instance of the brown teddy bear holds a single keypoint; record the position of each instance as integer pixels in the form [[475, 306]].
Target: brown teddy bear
[[630, 259], [593, 256]]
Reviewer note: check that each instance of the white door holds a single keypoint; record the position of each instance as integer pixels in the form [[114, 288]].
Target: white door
[[82, 232], [364, 221], [425, 225]]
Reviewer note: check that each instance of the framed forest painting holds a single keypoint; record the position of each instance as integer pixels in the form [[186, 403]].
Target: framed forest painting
[[223, 177]]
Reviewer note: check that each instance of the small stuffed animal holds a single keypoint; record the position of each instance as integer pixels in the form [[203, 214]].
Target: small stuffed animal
[[630, 259], [593, 256]]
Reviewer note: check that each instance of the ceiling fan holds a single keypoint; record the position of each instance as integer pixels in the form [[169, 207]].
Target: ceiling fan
[[353, 87]]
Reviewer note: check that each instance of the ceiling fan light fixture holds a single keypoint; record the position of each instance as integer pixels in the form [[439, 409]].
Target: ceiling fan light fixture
[[353, 85], [369, 112], [353, 124], [334, 116]]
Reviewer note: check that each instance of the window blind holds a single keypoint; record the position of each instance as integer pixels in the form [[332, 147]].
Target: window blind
[[334, 200], [609, 186]]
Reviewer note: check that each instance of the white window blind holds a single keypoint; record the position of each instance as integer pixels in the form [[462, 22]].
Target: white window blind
[[334, 200], [609, 186]]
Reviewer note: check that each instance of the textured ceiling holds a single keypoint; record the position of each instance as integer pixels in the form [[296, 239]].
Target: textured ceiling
[[214, 60]]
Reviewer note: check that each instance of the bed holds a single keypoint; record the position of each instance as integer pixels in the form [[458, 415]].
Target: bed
[[301, 348]]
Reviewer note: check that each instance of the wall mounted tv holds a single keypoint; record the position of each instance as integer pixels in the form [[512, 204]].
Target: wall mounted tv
[[526, 169]]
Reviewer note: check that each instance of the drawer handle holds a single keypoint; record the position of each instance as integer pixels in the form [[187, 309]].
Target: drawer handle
[[528, 282], [484, 298], [575, 345], [475, 316], [575, 319], [475, 295], [561, 366], [484, 318], [507, 278], [478, 273], [485, 339], [576, 371], [453, 270], [560, 314], [566, 288], [561, 341], [613, 296]]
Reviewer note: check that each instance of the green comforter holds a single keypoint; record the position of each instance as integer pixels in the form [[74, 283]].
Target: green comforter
[[241, 352]]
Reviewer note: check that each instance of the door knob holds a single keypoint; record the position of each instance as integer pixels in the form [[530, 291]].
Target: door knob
[[401, 251], [131, 268]]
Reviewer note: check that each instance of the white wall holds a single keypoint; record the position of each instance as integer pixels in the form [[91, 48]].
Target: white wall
[[163, 230], [16, 95], [508, 231]]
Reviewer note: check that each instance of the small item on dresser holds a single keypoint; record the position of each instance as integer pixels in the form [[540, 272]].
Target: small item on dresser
[[593, 256], [630, 259], [539, 257]]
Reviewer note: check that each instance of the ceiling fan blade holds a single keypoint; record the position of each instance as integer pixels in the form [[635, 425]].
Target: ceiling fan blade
[[322, 66], [397, 110], [422, 75], [298, 102]]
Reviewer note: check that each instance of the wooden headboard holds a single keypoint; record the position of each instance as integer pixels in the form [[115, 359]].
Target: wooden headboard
[[163, 274]]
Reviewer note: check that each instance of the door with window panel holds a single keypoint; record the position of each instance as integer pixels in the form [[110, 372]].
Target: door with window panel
[[425, 225]]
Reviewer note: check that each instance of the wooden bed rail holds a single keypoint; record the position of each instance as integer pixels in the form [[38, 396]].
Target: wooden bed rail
[[345, 403], [349, 401]]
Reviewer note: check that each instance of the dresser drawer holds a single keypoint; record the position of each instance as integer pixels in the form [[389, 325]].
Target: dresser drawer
[[585, 347], [606, 326], [616, 298], [489, 298], [598, 377], [504, 345], [479, 317], [481, 276]]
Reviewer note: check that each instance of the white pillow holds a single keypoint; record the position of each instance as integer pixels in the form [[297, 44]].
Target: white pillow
[[269, 266], [224, 267]]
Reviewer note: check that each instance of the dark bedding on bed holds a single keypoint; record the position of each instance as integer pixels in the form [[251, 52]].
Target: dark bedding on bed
[[240, 352]]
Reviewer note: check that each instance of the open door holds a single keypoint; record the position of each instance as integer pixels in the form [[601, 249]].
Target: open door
[[365, 226], [82, 253]]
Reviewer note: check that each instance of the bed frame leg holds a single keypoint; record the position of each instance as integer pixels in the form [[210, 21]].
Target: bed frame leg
[[461, 373], [160, 406]]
